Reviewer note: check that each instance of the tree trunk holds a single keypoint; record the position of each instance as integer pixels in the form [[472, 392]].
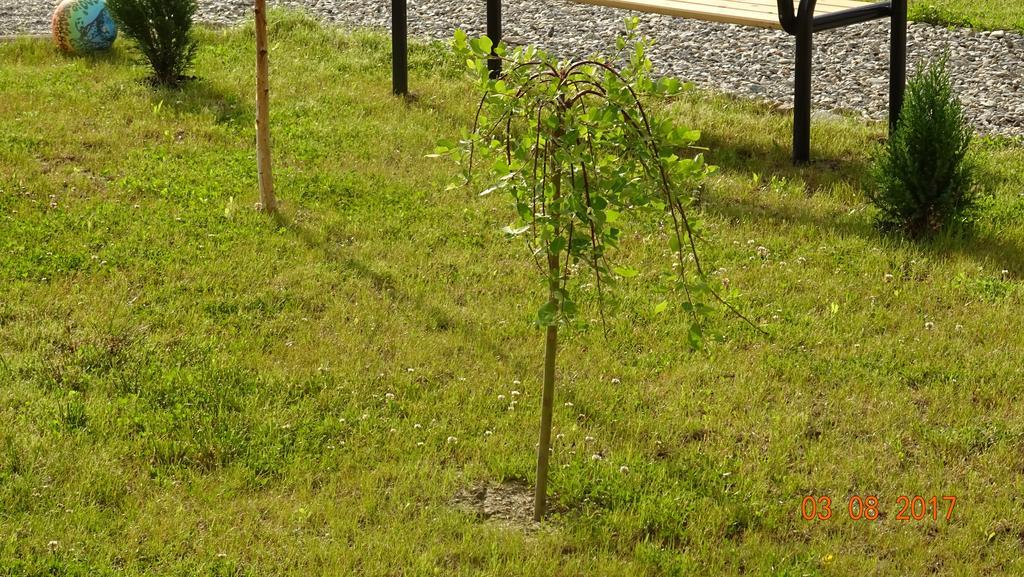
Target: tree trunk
[[268, 202], [540, 498]]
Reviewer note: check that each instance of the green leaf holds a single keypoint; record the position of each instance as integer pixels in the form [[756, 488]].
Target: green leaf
[[514, 231], [547, 315], [481, 45], [558, 244], [673, 242], [626, 272], [660, 307], [568, 308], [695, 337], [669, 86]]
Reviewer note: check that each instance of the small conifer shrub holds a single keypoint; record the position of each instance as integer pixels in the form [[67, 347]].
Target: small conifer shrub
[[923, 176], [162, 31]]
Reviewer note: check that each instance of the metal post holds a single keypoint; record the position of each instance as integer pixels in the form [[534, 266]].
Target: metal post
[[802, 90], [494, 33], [897, 61], [399, 47]]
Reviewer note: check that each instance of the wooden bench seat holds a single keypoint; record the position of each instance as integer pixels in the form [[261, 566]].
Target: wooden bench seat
[[759, 13], [799, 18]]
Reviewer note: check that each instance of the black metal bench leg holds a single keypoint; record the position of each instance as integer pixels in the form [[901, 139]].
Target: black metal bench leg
[[494, 33], [802, 93], [399, 47], [897, 61]]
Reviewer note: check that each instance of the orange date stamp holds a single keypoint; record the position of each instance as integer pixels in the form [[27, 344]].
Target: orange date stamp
[[868, 508]]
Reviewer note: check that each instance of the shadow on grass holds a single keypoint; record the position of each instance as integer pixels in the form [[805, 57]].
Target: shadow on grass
[[981, 245], [198, 96], [112, 56], [384, 283], [753, 207], [747, 157]]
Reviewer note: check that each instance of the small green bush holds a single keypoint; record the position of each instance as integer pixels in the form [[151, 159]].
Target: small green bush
[[162, 29], [923, 177]]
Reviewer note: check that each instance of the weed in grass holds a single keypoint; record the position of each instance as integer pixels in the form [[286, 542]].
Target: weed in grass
[[71, 414]]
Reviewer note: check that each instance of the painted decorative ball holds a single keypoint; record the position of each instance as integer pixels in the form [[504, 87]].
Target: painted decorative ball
[[81, 26]]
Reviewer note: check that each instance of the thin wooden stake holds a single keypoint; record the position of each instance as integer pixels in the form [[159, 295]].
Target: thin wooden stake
[[266, 178]]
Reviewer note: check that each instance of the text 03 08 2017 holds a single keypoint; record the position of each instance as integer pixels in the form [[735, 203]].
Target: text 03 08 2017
[[869, 508]]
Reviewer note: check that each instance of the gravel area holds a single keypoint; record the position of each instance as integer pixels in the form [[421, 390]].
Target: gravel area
[[851, 64]]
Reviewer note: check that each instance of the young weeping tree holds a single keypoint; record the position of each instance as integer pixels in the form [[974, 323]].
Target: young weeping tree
[[573, 145]]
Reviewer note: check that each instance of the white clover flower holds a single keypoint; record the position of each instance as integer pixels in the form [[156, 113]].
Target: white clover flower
[[929, 326], [616, 380], [763, 252], [624, 470], [515, 393], [389, 396], [596, 457], [419, 444], [488, 433], [568, 404], [560, 436], [588, 439], [517, 382], [501, 397], [452, 440], [888, 277], [417, 426]]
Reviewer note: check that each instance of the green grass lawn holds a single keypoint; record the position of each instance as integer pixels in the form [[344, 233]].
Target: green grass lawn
[[986, 14], [190, 388]]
